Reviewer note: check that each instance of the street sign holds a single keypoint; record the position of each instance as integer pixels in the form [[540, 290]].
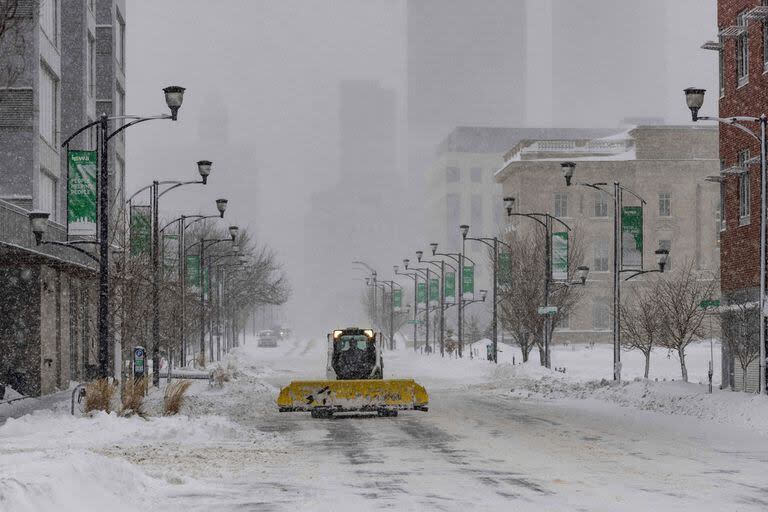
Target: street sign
[[416, 322], [548, 310], [709, 303], [139, 358]]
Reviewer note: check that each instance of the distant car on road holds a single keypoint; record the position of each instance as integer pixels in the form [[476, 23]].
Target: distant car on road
[[267, 338]]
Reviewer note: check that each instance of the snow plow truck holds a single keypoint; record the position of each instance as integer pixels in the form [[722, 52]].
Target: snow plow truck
[[354, 381]]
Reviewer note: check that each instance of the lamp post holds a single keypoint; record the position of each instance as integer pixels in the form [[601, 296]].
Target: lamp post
[[694, 99], [441, 264], [407, 262], [483, 295], [568, 169], [174, 96], [210, 242], [221, 205], [457, 257], [415, 278], [493, 244]]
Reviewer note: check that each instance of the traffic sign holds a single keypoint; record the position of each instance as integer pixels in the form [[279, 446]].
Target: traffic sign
[[548, 310], [709, 303]]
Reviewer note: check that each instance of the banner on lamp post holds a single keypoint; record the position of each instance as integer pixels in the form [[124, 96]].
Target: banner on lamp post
[[421, 293], [434, 292], [397, 299], [632, 237], [81, 193], [560, 256], [141, 223], [193, 270], [468, 283], [450, 288], [504, 269]]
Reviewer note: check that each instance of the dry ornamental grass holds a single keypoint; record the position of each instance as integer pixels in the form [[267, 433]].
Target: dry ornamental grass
[[133, 397], [174, 396], [98, 396]]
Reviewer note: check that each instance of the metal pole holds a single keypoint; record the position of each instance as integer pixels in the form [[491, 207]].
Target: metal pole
[[391, 315], [415, 309], [461, 300], [104, 252], [210, 317], [442, 308], [495, 301], [218, 312], [616, 281], [548, 273], [202, 302], [426, 309], [761, 376], [375, 313], [155, 287], [182, 290]]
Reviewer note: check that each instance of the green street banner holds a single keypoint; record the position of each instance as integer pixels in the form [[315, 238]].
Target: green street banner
[[468, 283], [421, 293], [193, 270], [632, 237], [81, 193], [141, 223], [434, 292], [560, 256], [505, 269], [450, 288], [397, 299]]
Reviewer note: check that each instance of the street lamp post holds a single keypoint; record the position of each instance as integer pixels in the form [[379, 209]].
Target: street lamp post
[[441, 264], [568, 169], [406, 262], [458, 293], [483, 295], [415, 278], [694, 98], [493, 244], [174, 96]]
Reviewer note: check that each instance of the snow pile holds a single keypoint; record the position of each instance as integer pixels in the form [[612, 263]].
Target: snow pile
[[531, 380]]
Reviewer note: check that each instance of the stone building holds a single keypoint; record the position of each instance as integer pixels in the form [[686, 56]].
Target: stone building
[[63, 65], [665, 165]]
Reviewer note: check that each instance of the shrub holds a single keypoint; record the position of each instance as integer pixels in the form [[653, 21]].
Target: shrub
[[174, 396], [133, 397], [98, 395], [200, 360]]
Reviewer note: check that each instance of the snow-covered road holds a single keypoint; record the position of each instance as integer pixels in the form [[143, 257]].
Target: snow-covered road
[[479, 447]]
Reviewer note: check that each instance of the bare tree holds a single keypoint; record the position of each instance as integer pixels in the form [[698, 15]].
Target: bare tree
[[680, 295], [741, 335], [642, 321], [14, 21]]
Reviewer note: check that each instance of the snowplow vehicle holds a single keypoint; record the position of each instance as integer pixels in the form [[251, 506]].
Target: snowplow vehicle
[[354, 381]]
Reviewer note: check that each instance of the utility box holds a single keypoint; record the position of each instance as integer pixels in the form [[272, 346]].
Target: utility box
[[139, 362]]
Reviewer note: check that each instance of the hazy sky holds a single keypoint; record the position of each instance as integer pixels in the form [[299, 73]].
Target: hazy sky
[[262, 80]]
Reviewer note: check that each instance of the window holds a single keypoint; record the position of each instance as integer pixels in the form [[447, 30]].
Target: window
[[48, 105], [476, 175], [120, 109], [667, 244], [665, 204], [47, 196], [601, 205], [476, 213], [49, 19], [120, 42], [452, 175], [91, 65], [563, 320], [600, 260], [721, 68], [721, 209], [601, 316], [742, 52], [744, 192], [561, 205]]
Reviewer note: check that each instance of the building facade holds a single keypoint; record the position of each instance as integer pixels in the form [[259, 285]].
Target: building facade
[[665, 165], [63, 66]]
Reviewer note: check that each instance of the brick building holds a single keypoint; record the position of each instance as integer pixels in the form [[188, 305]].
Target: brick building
[[743, 62]]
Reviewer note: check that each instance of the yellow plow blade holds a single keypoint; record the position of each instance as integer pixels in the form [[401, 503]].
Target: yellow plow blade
[[352, 395]]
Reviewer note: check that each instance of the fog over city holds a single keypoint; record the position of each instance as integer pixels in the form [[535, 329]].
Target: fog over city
[[263, 96]]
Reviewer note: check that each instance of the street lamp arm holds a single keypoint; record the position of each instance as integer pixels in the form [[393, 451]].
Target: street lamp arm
[[625, 189], [453, 256], [437, 263], [136, 120], [734, 121], [78, 249], [181, 184], [639, 272], [364, 264], [482, 240], [78, 132], [534, 216], [138, 192], [199, 218]]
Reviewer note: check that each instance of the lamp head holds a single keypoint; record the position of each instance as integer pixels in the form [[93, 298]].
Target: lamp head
[[694, 98], [581, 273], [373, 273], [406, 261], [464, 230], [662, 256], [39, 223], [233, 232], [419, 255], [483, 294], [509, 204], [433, 245], [367, 281], [568, 168], [204, 168], [395, 268], [221, 205], [174, 96]]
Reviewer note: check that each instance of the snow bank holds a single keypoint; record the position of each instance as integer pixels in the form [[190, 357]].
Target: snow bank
[[532, 381]]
